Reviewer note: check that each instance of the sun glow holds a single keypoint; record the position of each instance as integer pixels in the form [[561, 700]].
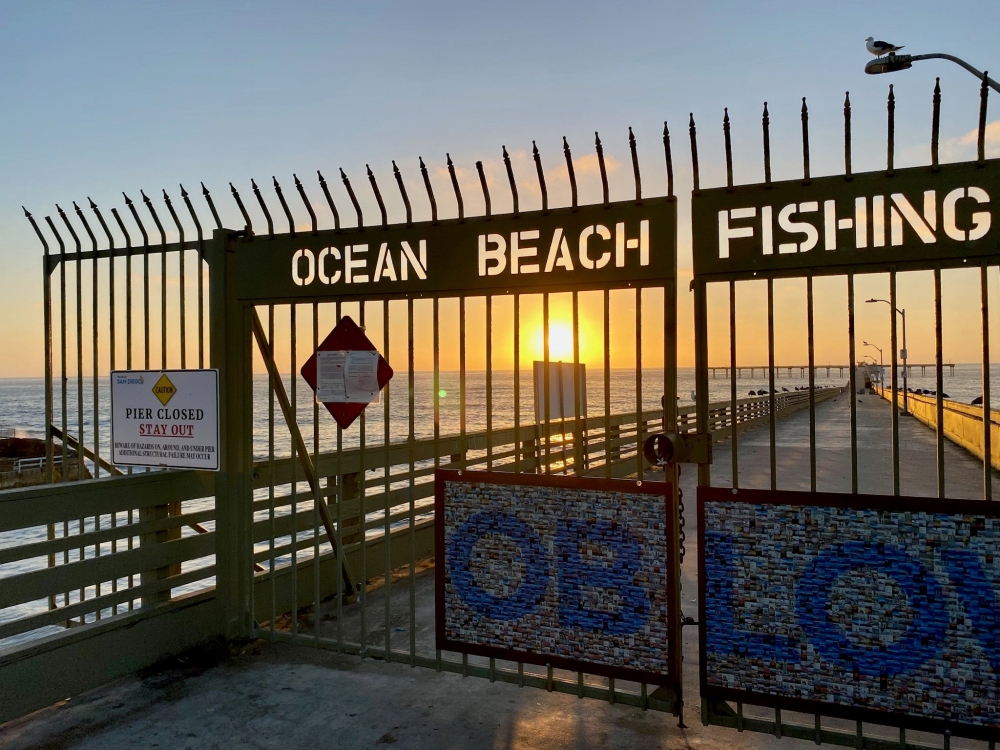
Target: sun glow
[[560, 342]]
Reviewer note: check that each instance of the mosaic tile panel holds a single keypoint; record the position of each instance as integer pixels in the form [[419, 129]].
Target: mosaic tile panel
[[861, 608], [559, 573]]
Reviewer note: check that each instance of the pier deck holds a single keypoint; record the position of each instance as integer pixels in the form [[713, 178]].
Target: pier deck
[[275, 695]]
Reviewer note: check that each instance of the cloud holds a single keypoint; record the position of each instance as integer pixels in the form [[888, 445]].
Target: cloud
[[587, 165], [963, 147]]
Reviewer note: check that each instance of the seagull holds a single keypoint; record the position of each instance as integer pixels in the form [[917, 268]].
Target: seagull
[[881, 48]]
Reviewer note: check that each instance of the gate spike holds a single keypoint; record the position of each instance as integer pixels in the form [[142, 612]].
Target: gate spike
[[69, 226], [93, 239], [121, 226], [430, 190], [378, 196], [263, 207], [670, 160], [847, 133], [984, 92], [211, 205], [402, 192], [177, 221], [284, 206], [765, 122], [59, 239], [354, 199], [243, 209], [936, 123], [604, 169], [156, 219], [805, 140], [486, 190], [693, 133], [194, 218], [34, 226], [138, 221], [541, 177], [729, 148], [570, 170], [635, 165], [329, 201], [458, 192], [104, 225], [510, 178], [305, 200], [890, 155]]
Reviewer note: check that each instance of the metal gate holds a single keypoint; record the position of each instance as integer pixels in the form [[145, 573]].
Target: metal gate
[[793, 640]]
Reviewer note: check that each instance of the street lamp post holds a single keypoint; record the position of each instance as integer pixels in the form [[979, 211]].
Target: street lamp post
[[902, 312], [881, 366], [891, 63]]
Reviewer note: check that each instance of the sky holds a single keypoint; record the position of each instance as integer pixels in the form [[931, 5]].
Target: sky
[[105, 97]]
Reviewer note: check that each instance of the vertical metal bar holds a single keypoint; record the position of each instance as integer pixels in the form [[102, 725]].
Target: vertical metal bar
[[201, 278], [638, 383], [354, 199], [603, 167], [486, 190], [607, 385], [987, 409], [693, 133], [437, 408], [852, 358], [510, 179], [669, 159], [429, 189], [145, 280], [733, 408], [340, 522], [765, 122], [330, 203], [546, 387], [411, 457], [489, 381], [378, 196], [541, 176], [811, 343], [701, 370], [95, 326], [294, 499], [181, 284], [263, 207], [211, 205], [163, 280], [984, 93], [317, 497], [80, 436], [579, 424], [243, 210], [63, 379], [284, 205], [894, 391], [463, 447], [402, 193], [362, 494], [386, 474], [729, 148], [805, 140], [891, 140], [847, 136], [270, 471], [517, 382], [939, 382], [771, 410], [305, 201], [635, 165], [936, 123], [458, 191], [47, 332], [570, 172]]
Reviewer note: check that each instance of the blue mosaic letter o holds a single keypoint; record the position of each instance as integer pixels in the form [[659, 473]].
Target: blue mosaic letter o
[[922, 640], [536, 564]]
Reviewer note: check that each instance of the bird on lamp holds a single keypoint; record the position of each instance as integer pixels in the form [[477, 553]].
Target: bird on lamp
[[879, 48]]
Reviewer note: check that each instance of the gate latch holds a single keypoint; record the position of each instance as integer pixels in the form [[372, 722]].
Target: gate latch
[[665, 448]]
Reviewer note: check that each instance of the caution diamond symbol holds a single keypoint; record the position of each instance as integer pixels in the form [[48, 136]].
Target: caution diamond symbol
[[164, 389]]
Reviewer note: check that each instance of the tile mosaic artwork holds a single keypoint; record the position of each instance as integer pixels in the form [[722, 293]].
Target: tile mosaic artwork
[[882, 610], [572, 573]]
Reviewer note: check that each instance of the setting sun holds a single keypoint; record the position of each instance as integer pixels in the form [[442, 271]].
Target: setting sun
[[560, 341]]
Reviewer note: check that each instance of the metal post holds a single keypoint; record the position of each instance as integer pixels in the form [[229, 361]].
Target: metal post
[[230, 352]]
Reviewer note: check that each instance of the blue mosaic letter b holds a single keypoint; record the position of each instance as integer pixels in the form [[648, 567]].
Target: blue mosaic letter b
[[597, 592]]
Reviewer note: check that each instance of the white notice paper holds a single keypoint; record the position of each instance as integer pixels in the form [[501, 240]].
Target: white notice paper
[[349, 377]]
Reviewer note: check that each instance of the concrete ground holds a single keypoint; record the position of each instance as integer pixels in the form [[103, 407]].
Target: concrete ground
[[270, 695]]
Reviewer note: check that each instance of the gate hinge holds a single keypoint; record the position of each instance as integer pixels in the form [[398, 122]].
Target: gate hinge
[[665, 448]]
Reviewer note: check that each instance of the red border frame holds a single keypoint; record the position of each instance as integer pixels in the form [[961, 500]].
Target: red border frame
[[662, 489], [842, 501]]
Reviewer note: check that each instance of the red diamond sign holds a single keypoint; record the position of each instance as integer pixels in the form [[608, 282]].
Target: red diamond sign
[[346, 372]]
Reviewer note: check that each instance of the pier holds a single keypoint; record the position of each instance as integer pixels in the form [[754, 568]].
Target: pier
[[841, 371]]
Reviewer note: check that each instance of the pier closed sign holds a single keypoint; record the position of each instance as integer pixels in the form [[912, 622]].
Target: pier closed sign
[[165, 418]]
